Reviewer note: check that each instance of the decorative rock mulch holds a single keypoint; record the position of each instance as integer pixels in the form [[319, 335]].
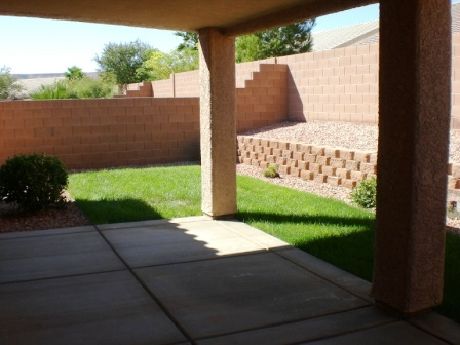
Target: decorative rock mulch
[[354, 136], [67, 216]]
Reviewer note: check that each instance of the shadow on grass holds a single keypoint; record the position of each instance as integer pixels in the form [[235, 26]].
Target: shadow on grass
[[352, 250], [451, 305], [305, 219], [117, 211]]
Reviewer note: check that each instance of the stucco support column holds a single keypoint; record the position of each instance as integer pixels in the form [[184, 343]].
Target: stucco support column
[[415, 69], [217, 123]]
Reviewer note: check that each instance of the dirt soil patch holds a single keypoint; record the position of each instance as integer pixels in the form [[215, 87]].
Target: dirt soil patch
[[67, 216]]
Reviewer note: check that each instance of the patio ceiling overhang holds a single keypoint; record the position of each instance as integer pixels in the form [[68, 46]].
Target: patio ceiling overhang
[[232, 17]]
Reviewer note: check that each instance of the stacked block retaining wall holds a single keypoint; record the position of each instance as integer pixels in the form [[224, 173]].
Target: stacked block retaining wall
[[335, 166], [322, 164]]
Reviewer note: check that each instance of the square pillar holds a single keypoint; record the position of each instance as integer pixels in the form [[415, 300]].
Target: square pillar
[[415, 98], [217, 123]]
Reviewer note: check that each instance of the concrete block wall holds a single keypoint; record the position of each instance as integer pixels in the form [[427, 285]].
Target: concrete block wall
[[163, 88], [186, 84], [336, 166], [244, 71], [143, 89], [336, 85], [130, 131], [339, 84], [102, 133], [262, 100], [261, 92]]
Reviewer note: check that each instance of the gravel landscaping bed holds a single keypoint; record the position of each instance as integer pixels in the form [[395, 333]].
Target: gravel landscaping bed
[[68, 216], [336, 134]]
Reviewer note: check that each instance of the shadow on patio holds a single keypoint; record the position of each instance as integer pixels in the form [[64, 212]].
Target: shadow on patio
[[117, 210], [189, 280]]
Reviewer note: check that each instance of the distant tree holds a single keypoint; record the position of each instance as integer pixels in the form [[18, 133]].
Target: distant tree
[[160, 65], [8, 84], [291, 39], [248, 48], [74, 73], [286, 40], [124, 61], [190, 40]]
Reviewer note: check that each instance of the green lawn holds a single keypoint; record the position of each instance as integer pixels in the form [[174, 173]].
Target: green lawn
[[326, 228], [124, 195]]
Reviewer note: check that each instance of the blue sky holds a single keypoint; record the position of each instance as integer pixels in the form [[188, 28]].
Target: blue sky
[[31, 45]]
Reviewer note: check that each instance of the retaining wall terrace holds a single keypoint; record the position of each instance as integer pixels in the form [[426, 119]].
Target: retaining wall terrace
[[322, 164], [336, 166]]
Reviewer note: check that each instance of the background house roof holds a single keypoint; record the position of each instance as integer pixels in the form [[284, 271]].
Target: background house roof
[[343, 36], [365, 33]]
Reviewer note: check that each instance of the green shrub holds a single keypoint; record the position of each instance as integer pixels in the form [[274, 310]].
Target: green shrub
[[9, 87], [33, 181], [365, 194], [271, 171], [75, 89], [58, 90]]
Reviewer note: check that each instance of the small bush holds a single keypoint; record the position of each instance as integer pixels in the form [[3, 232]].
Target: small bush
[[271, 171], [365, 194], [75, 89], [33, 181], [9, 87]]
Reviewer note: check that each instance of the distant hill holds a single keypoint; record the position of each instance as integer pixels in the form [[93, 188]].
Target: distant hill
[[32, 82], [49, 75]]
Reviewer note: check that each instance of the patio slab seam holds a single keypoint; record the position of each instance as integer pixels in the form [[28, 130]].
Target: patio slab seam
[[60, 276], [148, 291], [340, 334], [254, 253], [278, 324], [7, 236], [430, 332], [286, 246], [337, 336], [153, 223], [351, 292]]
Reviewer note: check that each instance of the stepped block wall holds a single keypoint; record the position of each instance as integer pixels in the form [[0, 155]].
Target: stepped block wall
[[130, 131]]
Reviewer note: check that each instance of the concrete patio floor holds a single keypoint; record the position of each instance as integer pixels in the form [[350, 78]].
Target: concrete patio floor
[[188, 281]]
